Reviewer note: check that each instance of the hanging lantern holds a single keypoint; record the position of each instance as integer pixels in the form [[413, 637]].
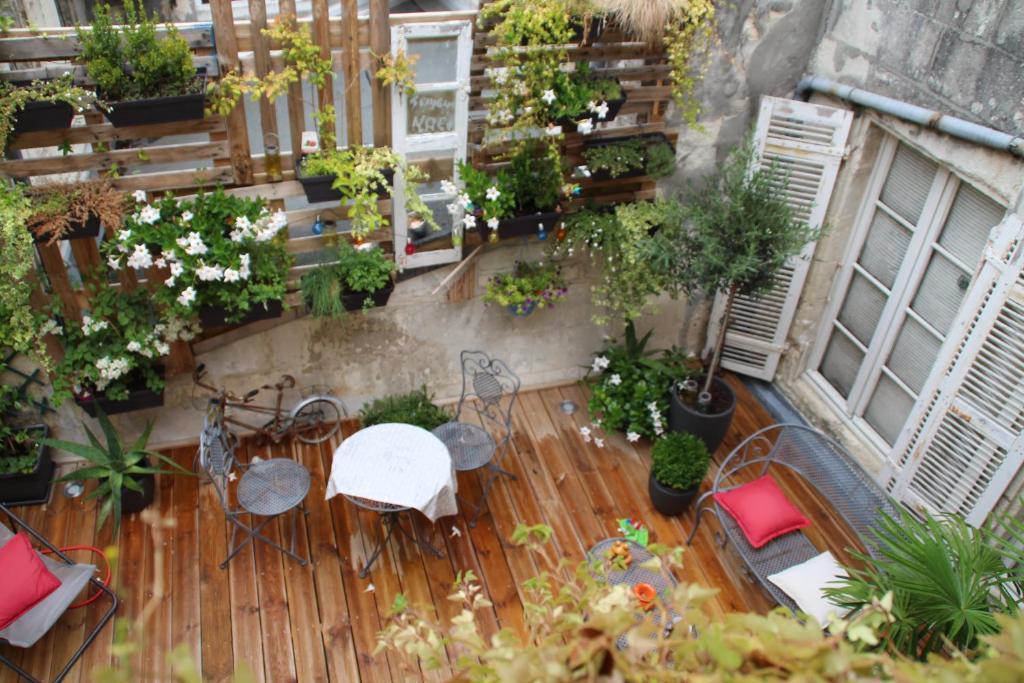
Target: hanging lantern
[[560, 235], [318, 225], [410, 248], [541, 233], [493, 237]]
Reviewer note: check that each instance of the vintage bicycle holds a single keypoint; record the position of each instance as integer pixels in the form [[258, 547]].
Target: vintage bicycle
[[314, 419]]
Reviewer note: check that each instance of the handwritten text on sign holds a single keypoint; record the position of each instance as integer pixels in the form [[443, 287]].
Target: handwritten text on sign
[[432, 113]]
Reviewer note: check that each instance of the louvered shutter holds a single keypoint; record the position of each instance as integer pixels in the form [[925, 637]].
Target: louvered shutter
[[808, 142], [965, 444]]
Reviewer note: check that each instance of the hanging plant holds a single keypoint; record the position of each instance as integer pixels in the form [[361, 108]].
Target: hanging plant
[[530, 285], [15, 99], [398, 70], [19, 324]]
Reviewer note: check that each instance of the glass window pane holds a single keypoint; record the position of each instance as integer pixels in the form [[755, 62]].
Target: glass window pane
[[884, 248], [908, 183], [862, 308], [888, 409], [940, 292], [432, 112], [437, 168], [971, 218], [913, 354], [437, 59], [841, 362], [424, 237]]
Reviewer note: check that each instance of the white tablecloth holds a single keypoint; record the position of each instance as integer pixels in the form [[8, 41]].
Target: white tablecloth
[[398, 464]]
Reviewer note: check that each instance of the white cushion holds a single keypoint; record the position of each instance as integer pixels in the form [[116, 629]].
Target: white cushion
[[805, 583]]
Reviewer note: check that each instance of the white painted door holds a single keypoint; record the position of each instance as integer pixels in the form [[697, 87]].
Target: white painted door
[[429, 129], [808, 142]]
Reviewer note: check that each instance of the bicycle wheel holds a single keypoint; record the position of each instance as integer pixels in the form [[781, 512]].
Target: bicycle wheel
[[317, 418]]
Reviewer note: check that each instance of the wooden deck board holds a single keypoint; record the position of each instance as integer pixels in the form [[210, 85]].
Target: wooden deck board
[[287, 622]]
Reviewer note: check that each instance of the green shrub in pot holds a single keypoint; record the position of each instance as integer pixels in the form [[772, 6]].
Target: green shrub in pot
[[679, 461], [415, 408], [359, 270]]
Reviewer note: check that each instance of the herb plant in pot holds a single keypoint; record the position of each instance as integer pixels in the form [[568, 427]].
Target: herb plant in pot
[[26, 468], [125, 476], [142, 77], [361, 279], [737, 234], [679, 463], [529, 287], [221, 258], [629, 157]]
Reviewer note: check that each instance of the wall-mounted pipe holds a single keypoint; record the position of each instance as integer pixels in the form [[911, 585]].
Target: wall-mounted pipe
[[951, 125]]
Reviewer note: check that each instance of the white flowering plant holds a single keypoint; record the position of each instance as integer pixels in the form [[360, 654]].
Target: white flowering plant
[[630, 385], [214, 250], [116, 346]]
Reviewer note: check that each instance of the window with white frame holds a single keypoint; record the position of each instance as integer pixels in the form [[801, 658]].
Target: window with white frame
[[918, 240]]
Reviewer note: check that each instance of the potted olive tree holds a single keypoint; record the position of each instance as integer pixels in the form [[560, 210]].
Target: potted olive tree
[[736, 235], [679, 463]]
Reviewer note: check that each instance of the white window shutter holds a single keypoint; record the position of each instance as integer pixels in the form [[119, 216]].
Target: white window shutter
[[963, 446], [808, 142]]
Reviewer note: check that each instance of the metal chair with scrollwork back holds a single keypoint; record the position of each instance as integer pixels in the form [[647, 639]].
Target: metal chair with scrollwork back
[[489, 391]]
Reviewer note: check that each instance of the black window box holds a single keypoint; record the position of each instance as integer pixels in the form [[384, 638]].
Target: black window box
[[650, 138], [140, 397], [613, 110], [216, 316], [42, 115], [32, 488], [89, 229], [353, 301], [159, 109], [522, 226], [318, 188]]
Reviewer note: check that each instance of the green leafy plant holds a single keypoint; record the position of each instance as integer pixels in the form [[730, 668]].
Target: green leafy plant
[[575, 614], [679, 460], [621, 240], [131, 61], [654, 157], [19, 323], [213, 250], [415, 408], [14, 98], [529, 285], [948, 579], [18, 454], [736, 235], [398, 70], [117, 344], [357, 270], [59, 208], [629, 385], [114, 467]]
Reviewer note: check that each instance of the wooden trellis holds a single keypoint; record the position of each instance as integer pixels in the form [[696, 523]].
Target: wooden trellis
[[224, 157]]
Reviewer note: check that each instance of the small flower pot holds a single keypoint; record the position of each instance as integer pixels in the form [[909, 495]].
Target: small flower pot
[[133, 501], [353, 301], [90, 229], [41, 115], [217, 316], [318, 188], [32, 488], [651, 138], [711, 427], [189, 107], [522, 311], [140, 397], [522, 226], [667, 500]]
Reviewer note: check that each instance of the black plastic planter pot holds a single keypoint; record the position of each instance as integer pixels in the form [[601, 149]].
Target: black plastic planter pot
[[650, 138], [522, 226], [667, 500], [32, 488], [133, 501], [570, 122], [216, 316], [89, 229], [140, 397], [710, 428], [159, 109], [353, 301], [318, 188], [36, 116]]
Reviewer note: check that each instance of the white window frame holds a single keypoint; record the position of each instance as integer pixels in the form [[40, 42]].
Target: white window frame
[[923, 241], [405, 145]]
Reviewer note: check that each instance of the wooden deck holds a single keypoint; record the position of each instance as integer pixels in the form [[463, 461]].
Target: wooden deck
[[319, 623]]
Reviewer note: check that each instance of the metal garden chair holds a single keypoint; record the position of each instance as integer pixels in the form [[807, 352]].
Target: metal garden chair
[[489, 390], [37, 621], [267, 488]]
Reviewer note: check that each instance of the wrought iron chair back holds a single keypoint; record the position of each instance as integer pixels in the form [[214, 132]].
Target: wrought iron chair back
[[489, 389], [217, 456]]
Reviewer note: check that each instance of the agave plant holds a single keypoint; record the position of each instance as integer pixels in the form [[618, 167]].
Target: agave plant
[[114, 467], [948, 580]]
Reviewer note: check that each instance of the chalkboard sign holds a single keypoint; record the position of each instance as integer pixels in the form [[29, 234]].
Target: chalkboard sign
[[432, 112]]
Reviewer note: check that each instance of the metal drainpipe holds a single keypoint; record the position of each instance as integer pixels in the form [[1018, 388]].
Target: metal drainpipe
[[951, 125]]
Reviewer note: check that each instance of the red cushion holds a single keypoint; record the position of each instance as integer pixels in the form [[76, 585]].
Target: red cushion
[[26, 580], [762, 510]]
